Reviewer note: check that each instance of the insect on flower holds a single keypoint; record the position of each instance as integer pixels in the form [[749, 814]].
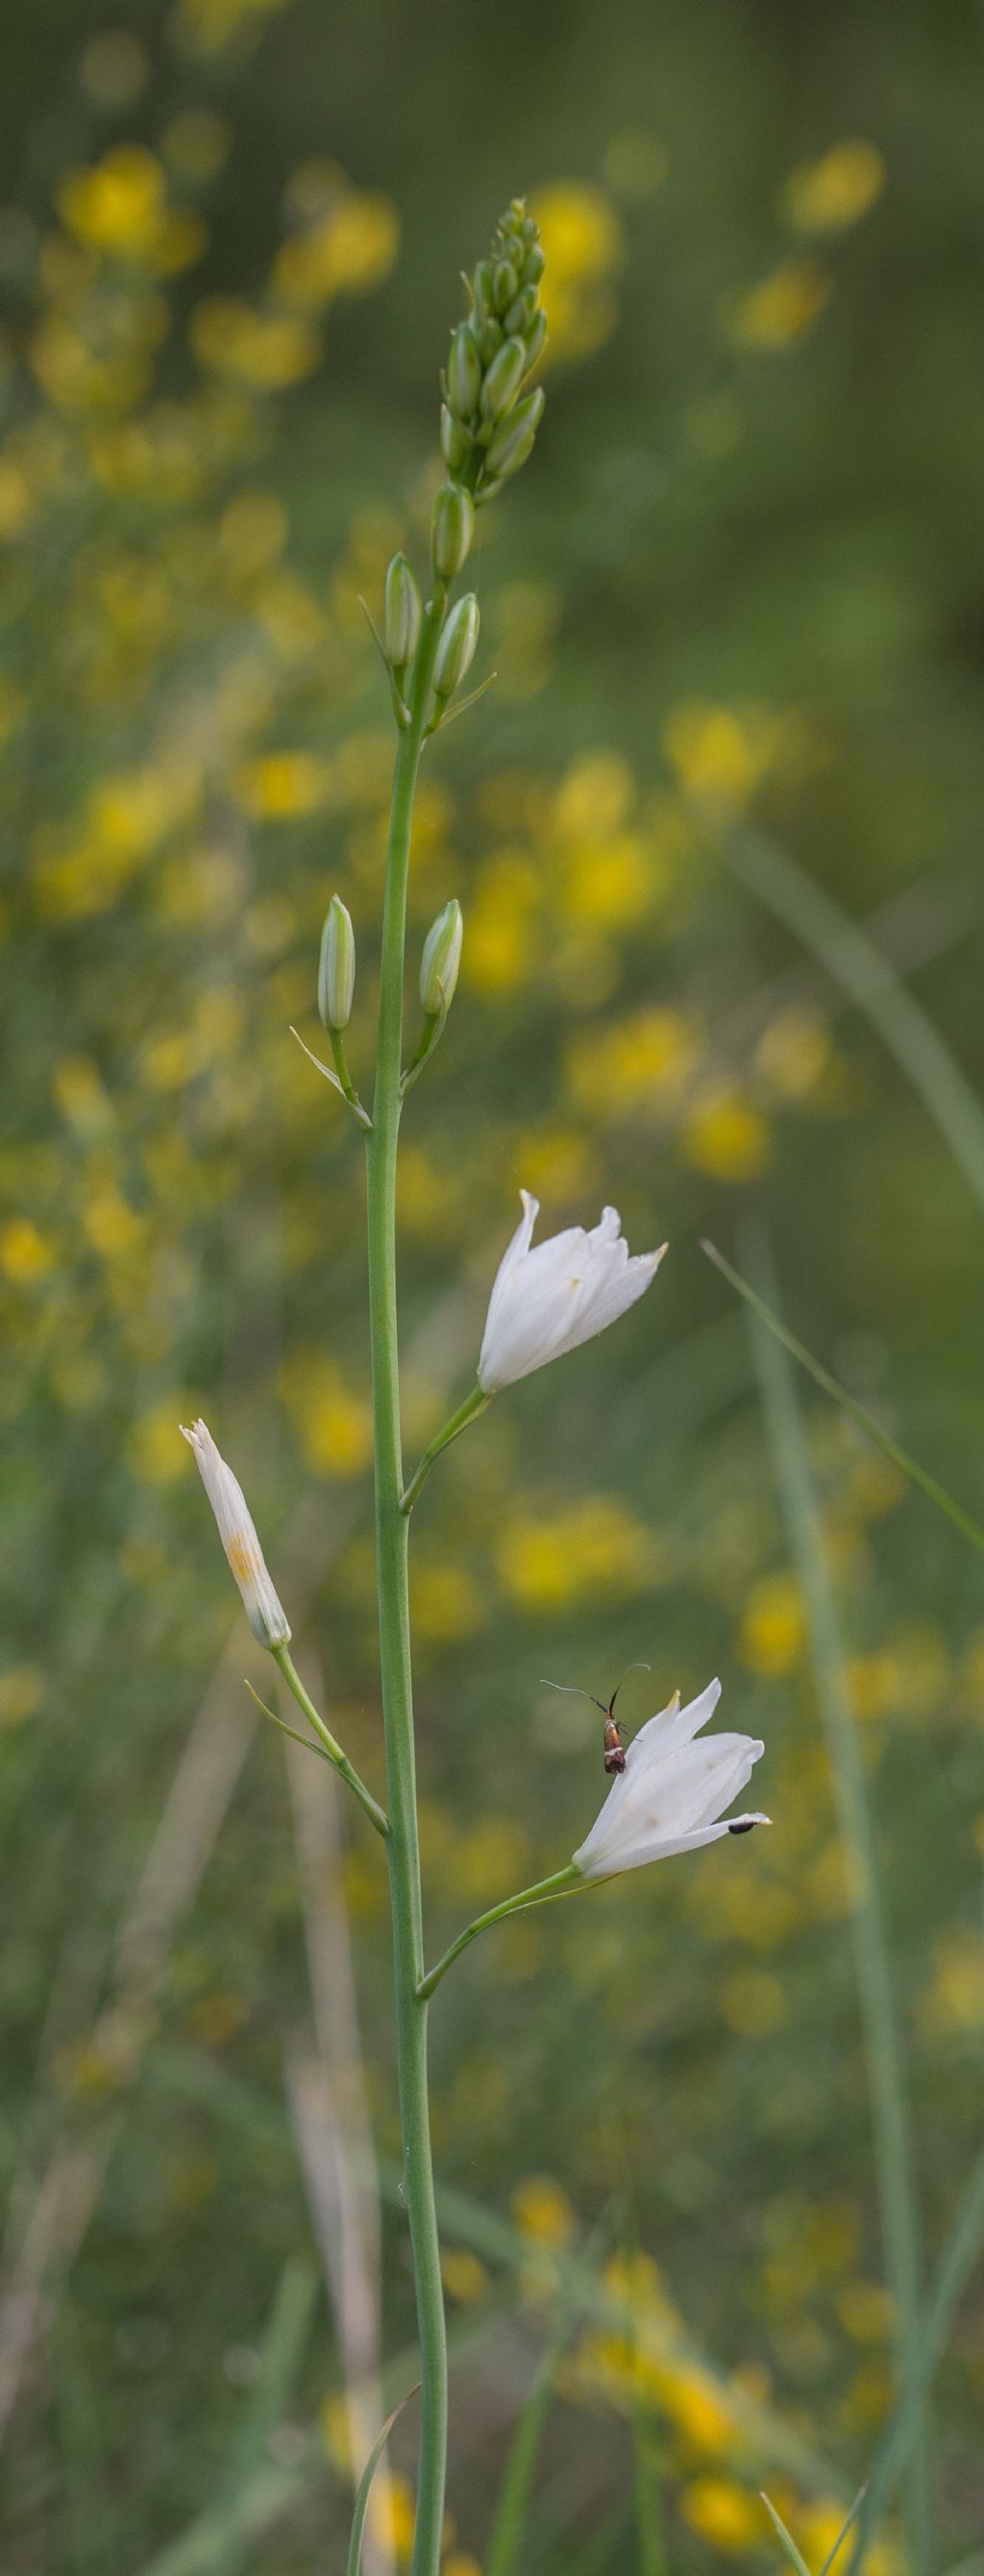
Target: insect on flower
[[612, 1748]]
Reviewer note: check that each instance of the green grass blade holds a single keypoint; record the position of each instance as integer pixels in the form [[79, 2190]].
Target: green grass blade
[[517, 2484], [280, 2358], [785, 2537], [947, 2287], [886, 2080], [354, 2558], [900, 1458], [843, 2532], [871, 983]]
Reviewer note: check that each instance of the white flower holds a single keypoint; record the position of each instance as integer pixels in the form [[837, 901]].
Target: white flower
[[672, 1791], [237, 1533], [546, 1301]]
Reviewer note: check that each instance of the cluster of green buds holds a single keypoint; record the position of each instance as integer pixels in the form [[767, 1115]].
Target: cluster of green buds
[[488, 423]]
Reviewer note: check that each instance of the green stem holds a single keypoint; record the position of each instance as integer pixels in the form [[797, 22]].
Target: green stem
[[467, 1412], [332, 1748], [392, 1533], [891, 2126], [563, 1883]]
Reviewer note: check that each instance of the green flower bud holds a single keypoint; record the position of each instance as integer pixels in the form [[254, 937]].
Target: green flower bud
[[510, 447], [504, 284], [336, 966], [522, 313], [464, 373], [452, 529], [483, 286], [490, 337], [455, 441], [536, 342], [401, 622], [533, 265], [456, 650], [441, 960], [504, 378]]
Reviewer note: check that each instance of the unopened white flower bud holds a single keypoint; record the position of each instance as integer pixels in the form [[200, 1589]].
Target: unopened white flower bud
[[238, 1535], [456, 650], [336, 967], [440, 960], [402, 616]]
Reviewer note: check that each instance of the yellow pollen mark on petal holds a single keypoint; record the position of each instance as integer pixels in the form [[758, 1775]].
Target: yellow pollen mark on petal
[[242, 1556]]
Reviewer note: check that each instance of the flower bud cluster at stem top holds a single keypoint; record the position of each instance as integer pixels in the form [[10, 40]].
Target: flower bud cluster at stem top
[[488, 424]]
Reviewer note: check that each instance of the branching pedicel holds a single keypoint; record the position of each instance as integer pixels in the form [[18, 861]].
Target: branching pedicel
[[546, 1299]]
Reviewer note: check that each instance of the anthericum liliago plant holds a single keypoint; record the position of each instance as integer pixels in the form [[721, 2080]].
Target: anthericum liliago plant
[[676, 1782]]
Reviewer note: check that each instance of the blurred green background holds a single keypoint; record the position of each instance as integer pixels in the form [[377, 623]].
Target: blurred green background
[[736, 607]]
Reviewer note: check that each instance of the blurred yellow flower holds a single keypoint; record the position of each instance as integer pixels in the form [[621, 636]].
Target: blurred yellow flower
[[729, 1137], [22, 1689], [282, 785], [593, 798], [459, 2562], [447, 1602], [392, 2513], [817, 2527], [582, 238], [500, 951], [826, 195], [723, 2513], [25, 1253], [350, 250], [773, 1630], [113, 1227], [720, 752], [866, 2310], [594, 1545], [211, 25], [542, 2211], [267, 350], [782, 308], [332, 1421], [955, 2000], [645, 1058], [16, 498], [464, 2277], [611, 883], [154, 1443], [793, 1053], [118, 204]]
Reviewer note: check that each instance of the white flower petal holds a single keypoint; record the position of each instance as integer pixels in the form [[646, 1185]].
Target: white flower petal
[[237, 1532], [674, 1788], [548, 1298]]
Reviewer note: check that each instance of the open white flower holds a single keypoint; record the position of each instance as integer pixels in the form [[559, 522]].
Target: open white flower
[[238, 1535], [547, 1300], [672, 1791]]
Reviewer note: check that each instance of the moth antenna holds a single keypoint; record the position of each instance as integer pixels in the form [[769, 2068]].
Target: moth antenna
[[572, 1691]]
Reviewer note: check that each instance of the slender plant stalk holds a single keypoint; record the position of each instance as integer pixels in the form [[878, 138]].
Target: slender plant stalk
[[326, 1740], [467, 1412], [928, 1485], [872, 983], [564, 1882], [886, 2076], [392, 1531]]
